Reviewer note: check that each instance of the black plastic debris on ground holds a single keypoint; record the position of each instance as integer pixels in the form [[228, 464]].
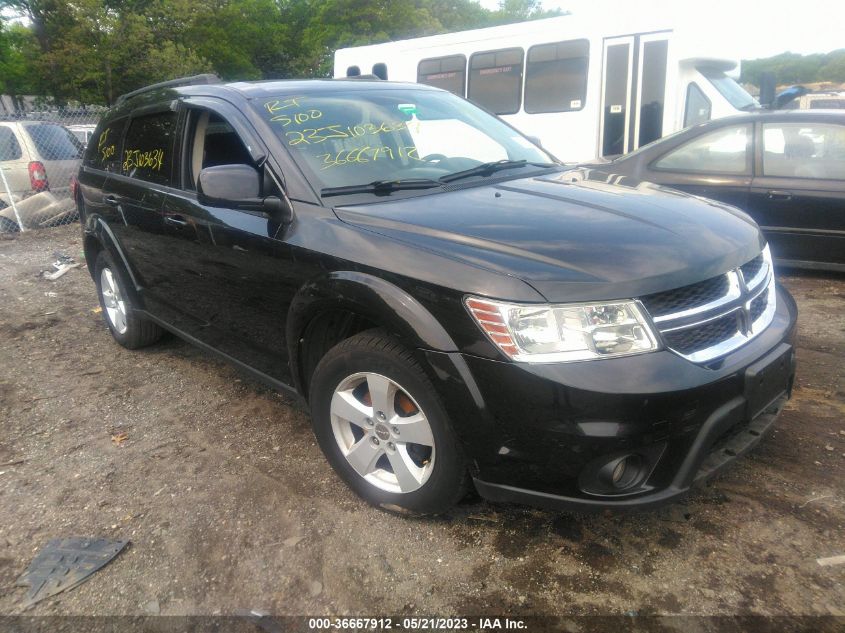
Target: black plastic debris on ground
[[65, 563]]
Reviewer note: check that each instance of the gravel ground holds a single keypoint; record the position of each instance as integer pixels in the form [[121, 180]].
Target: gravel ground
[[229, 504]]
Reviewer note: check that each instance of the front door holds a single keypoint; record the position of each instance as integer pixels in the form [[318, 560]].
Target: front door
[[230, 273], [633, 92]]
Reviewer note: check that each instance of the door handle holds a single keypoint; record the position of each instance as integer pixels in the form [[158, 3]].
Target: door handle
[[175, 220], [780, 195], [111, 200]]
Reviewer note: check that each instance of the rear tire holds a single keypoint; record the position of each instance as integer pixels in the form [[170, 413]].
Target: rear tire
[[382, 427], [127, 328]]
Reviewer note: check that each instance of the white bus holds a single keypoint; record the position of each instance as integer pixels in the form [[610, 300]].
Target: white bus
[[585, 85]]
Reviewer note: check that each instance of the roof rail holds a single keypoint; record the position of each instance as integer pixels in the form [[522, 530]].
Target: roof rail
[[194, 80]]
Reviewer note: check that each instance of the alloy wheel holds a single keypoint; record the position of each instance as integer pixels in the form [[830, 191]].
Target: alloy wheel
[[113, 300], [382, 432]]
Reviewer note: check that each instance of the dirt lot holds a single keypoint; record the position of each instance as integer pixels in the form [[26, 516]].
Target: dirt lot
[[229, 504]]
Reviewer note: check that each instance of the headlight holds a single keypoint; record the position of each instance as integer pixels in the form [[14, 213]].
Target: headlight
[[566, 332]]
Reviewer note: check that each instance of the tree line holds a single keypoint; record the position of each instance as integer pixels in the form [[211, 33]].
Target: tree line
[[792, 68], [92, 51]]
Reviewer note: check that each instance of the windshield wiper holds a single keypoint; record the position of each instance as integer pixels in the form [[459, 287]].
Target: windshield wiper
[[381, 187], [487, 169]]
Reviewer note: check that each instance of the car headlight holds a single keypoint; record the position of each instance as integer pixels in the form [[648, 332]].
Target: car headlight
[[566, 332]]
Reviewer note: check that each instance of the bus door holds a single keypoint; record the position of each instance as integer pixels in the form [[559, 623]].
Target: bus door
[[633, 91]]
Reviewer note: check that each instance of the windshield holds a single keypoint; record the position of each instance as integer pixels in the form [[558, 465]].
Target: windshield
[[363, 136], [729, 89]]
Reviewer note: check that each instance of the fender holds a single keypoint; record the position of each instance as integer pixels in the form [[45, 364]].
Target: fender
[[371, 297], [96, 227]]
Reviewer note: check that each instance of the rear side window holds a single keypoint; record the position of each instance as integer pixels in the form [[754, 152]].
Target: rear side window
[[54, 142], [495, 80], [103, 151], [148, 148], [723, 151], [448, 73], [10, 149], [556, 77], [803, 150]]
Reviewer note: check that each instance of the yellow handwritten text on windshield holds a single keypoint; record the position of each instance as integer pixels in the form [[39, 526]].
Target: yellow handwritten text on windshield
[[313, 136], [367, 154]]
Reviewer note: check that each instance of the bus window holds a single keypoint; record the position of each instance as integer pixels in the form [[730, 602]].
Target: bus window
[[556, 77], [448, 73], [698, 106], [495, 80]]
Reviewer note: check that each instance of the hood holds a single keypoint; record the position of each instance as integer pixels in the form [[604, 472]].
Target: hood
[[573, 235]]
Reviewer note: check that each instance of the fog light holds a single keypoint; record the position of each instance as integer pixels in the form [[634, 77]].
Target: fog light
[[623, 472], [619, 472]]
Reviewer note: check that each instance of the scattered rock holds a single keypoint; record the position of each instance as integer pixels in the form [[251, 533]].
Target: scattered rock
[[152, 607]]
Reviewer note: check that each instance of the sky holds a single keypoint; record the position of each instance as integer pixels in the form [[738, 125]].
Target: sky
[[753, 28]]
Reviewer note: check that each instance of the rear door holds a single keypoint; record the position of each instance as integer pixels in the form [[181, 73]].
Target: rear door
[[136, 195], [798, 192], [102, 158]]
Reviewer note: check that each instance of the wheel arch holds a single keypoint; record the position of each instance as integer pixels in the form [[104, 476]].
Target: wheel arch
[[343, 303], [99, 237]]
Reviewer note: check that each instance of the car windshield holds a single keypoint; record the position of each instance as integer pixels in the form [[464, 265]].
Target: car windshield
[[384, 135], [729, 89]]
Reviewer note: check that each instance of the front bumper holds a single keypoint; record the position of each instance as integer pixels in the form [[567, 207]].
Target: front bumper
[[535, 432]]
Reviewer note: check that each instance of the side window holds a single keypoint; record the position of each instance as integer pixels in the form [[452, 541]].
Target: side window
[[800, 150], [495, 80], [723, 151], [212, 141], [556, 77], [448, 73], [103, 150], [148, 148], [698, 106], [10, 149]]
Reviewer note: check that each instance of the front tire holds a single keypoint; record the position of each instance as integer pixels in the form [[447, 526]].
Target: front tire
[[125, 325], [382, 427]]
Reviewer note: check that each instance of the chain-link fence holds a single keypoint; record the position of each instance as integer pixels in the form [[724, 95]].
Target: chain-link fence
[[40, 154]]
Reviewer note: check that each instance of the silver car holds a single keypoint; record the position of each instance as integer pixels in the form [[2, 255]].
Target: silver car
[[37, 156]]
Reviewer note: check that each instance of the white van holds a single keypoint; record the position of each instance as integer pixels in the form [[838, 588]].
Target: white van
[[585, 85]]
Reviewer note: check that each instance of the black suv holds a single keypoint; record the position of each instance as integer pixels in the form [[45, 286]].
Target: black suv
[[454, 305]]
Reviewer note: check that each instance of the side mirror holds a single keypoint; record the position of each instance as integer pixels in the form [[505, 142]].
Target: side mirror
[[229, 184], [239, 187], [535, 140]]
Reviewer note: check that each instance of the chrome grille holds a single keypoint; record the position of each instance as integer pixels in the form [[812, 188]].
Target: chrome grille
[[752, 268], [687, 297], [758, 305], [691, 340], [711, 318]]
